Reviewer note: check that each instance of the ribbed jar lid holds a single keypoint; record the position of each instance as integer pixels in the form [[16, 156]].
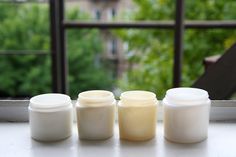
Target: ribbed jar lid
[[50, 101], [186, 96]]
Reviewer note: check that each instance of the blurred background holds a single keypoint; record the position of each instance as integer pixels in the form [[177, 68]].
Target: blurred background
[[117, 59]]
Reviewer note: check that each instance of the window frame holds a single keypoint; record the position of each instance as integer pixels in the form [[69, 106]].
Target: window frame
[[59, 26]]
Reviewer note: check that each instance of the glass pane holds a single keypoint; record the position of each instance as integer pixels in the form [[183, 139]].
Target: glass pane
[[143, 60], [24, 29], [124, 10], [87, 66], [148, 57], [200, 44], [211, 10], [24, 75]]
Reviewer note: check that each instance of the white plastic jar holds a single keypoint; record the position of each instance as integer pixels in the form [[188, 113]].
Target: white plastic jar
[[186, 115], [95, 114], [137, 113], [50, 117]]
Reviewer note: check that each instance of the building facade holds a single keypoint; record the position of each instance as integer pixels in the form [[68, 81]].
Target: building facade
[[105, 11]]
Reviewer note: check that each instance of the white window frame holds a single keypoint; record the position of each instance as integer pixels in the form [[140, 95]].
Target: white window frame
[[17, 110]]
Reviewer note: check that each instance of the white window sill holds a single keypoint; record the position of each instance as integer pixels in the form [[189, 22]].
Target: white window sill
[[16, 141], [17, 110], [15, 138]]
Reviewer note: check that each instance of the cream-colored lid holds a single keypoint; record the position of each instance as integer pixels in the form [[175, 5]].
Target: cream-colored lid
[[50, 101], [137, 98], [95, 98]]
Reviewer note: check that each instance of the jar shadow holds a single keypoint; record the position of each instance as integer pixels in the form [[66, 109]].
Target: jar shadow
[[60, 148], [185, 149], [138, 148]]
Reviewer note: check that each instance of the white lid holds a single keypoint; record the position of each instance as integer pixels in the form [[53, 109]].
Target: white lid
[[186, 96], [138, 97], [50, 101], [95, 98]]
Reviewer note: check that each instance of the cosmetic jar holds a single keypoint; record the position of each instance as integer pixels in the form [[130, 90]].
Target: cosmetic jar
[[95, 114], [50, 117], [137, 114], [186, 115]]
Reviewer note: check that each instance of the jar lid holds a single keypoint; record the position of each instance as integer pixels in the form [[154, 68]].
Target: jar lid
[[95, 98], [185, 95], [50, 101], [137, 98]]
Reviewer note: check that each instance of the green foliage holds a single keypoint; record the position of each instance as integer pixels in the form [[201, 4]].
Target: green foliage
[[26, 27], [151, 51], [86, 68], [86, 72]]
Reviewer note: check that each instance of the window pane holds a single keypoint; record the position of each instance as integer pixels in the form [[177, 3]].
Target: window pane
[[211, 10], [87, 65], [24, 75], [199, 44], [24, 29], [121, 10], [148, 60]]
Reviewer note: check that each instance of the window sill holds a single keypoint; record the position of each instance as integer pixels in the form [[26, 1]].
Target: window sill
[[16, 141], [17, 110]]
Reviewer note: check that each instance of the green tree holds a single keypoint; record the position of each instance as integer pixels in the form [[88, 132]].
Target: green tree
[[26, 27], [151, 51]]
